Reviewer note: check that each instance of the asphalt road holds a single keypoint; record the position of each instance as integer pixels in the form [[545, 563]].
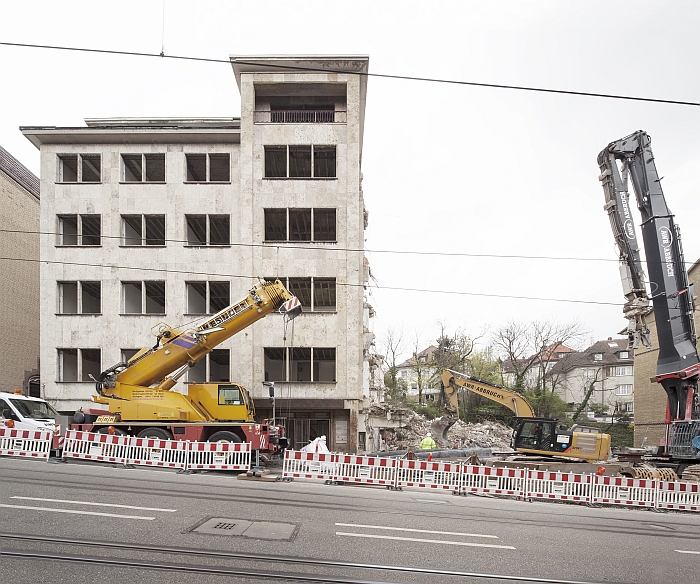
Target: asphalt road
[[88, 522]]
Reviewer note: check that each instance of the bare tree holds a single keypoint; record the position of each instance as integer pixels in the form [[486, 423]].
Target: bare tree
[[421, 366], [393, 346], [530, 349]]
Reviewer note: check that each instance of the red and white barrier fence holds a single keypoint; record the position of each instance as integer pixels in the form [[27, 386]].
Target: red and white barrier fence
[[160, 453], [464, 479], [559, 486], [26, 443], [309, 465], [99, 447], [218, 456], [157, 453], [681, 496], [429, 475], [366, 470], [625, 491], [493, 481]]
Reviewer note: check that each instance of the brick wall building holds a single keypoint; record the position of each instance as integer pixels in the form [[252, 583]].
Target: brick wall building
[[19, 283]]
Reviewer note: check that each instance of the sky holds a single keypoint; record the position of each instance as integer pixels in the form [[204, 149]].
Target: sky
[[468, 188]]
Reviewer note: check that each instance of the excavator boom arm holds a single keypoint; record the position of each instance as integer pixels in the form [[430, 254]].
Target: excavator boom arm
[[452, 380]]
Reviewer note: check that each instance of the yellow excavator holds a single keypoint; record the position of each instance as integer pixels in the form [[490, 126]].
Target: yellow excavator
[[532, 435]]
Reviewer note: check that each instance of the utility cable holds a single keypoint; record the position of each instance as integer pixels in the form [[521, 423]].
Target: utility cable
[[287, 245], [162, 55], [346, 284]]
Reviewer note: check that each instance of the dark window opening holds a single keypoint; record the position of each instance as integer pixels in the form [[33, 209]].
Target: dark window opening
[[68, 229], [324, 295], [275, 224], [219, 296], [131, 225], [299, 224], [90, 167], [196, 297], [275, 364], [219, 230], [300, 161], [68, 168], [301, 288], [196, 167], [324, 365], [196, 229], [300, 365], [219, 167], [275, 161], [155, 229], [155, 297], [324, 225], [324, 161], [133, 167], [79, 168], [90, 364], [91, 229], [220, 366], [91, 297], [155, 167]]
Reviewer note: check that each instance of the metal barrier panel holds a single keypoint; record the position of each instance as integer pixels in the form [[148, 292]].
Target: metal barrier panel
[[309, 465], [218, 455], [154, 452], [91, 446], [431, 475], [366, 470], [681, 496], [25, 443], [563, 486], [494, 481], [624, 491]]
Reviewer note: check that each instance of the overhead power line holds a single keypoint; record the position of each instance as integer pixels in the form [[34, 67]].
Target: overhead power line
[[284, 245], [347, 285], [365, 74]]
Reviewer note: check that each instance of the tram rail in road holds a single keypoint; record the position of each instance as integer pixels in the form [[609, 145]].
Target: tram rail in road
[[264, 572]]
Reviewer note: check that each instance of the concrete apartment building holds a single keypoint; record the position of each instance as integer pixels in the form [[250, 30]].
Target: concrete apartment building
[[609, 365], [19, 285], [168, 220]]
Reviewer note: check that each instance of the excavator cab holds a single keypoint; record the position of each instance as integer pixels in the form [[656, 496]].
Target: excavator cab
[[540, 434]]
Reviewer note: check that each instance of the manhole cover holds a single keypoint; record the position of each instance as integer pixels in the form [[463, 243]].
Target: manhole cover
[[245, 528]]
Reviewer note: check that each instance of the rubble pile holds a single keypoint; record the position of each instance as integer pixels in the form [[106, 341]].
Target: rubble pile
[[412, 427]]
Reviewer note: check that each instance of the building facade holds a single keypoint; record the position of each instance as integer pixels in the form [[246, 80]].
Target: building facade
[[19, 284], [606, 365], [170, 220], [650, 397]]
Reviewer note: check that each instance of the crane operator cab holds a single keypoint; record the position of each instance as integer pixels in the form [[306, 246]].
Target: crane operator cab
[[547, 436]]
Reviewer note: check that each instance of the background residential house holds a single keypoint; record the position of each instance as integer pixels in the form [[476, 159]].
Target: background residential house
[[609, 366], [537, 367], [420, 375], [150, 220], [19, 284]]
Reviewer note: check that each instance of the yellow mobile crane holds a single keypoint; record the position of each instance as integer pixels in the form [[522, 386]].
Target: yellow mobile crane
[[137, 392], [532, 435]]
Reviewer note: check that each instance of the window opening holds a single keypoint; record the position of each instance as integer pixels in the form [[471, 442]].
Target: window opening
[[276, 161], [75, 168], [220, 365], [196, 167], [219, 230], [196, 297], [299, 224], [196, 229], [324, 225]]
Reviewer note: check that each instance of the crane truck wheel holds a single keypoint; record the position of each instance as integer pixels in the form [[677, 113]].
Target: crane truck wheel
[[155, 433], [224, 436]]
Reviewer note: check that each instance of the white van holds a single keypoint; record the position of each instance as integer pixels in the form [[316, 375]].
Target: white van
[[27, 413]]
